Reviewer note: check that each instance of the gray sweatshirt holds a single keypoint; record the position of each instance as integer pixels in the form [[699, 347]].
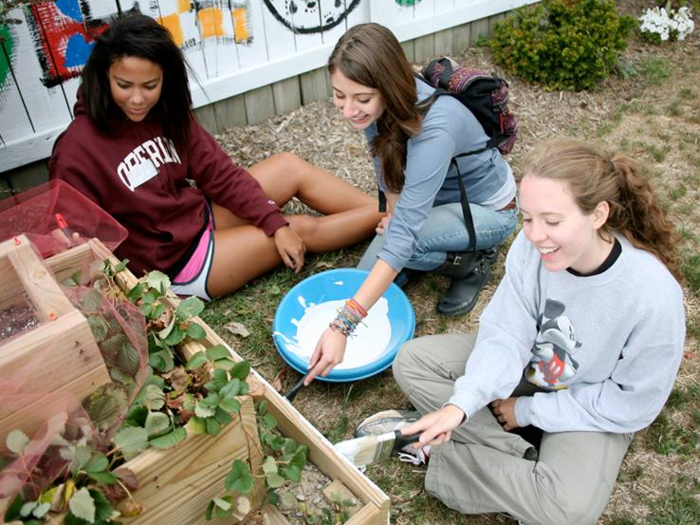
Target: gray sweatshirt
[[606, 347], [448, 129]]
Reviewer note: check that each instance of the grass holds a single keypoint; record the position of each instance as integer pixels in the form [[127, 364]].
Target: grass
[[652, 117]]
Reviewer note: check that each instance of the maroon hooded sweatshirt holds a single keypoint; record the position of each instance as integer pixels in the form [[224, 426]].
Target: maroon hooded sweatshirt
[[137, 176]]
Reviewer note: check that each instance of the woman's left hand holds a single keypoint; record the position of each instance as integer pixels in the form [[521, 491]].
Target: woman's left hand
[[290, 247], [504, 410]]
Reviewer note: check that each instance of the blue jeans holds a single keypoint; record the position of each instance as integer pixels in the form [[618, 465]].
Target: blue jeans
[[445, 231]]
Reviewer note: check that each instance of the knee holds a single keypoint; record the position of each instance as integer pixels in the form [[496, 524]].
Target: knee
[[406, 359], [288, 162]]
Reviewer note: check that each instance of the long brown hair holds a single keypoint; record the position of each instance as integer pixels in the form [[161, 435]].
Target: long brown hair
[[369, 54], [595, 176]]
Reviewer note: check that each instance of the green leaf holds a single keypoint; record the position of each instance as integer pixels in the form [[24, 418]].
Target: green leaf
[[274, 480], [204, 410], [176, 336], [103, 509], [16, 441], [98, 326], [232, 388], [27, 508], [157, 280], [239, 479], [195, 331], [106, 478], [230, 405], [293, 473], [157, 423], [91, 302], [190, 307], [97, 463], [241, 370], [165, 332], [82, 505], [131, 439], [154, 398], [213, 426], [222, 503], [82, 456], [197, 425], [218, 352], [270, 465], [219, 379], [169, 440], [268, 422], [135, 293], [224, 364], [289, 446], [41, 510], [208, 514], [197, 361], [121, 266], [223, 417]]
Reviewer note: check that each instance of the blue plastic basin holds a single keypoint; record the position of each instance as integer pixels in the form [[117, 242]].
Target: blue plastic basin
[[334, 285]]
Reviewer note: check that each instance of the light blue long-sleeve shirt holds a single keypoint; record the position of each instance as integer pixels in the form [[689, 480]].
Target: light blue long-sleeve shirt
[[448, 129]]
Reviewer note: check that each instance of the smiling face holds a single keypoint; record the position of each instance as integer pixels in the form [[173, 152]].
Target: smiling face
[[361, 105], [135, 84], [565, 236]]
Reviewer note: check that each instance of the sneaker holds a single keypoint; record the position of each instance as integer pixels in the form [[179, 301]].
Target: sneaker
[[386, 421], [415, 456]]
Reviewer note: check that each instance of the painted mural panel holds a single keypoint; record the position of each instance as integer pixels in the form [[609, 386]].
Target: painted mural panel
[[232, 46]]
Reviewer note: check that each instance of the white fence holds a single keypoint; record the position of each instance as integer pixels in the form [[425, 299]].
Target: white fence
[[234, 46]]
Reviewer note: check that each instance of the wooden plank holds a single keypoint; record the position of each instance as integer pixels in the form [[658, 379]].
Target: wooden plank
[[337, 492], [461, 38], [315, 85], [63, 376], [231, 112], [259, 105], [176, 485], [207, 118], [480, 28], [287, 95], [39, 285], [444, 43], [424, 49], [494, 19], [369, 515], [273, 516], [409, 49], [28, 176]]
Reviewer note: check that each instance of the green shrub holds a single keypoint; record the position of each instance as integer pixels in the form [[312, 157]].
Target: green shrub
[[562, 44]]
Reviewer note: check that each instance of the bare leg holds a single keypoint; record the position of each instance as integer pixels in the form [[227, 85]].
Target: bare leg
[[244, 252]]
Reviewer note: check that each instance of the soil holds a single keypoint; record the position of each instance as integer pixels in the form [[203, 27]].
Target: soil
[[16, 320]]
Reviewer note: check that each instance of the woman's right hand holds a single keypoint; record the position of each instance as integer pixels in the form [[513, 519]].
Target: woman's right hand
[[436, 428], [329, 351]]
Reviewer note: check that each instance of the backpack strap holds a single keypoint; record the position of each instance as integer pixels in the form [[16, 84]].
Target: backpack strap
[[466, 210]]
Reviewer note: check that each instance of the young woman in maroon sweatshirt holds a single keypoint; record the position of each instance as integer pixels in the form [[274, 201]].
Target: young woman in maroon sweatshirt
[[134, 147]]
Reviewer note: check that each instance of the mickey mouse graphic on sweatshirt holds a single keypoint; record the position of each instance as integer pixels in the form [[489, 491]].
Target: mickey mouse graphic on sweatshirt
[[553, 363]]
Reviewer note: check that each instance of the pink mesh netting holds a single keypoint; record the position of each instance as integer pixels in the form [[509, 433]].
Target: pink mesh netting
[[55, 216]]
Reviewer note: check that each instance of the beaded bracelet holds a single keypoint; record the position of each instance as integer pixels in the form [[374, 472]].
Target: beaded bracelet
[[349, 316]]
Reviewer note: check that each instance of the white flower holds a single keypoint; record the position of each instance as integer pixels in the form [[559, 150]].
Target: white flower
[[671, 25]]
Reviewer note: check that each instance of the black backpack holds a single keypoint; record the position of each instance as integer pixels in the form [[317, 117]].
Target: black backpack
[[485, 94]]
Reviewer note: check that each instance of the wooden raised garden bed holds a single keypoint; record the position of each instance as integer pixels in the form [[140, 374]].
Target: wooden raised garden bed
[[49, 348], [373, 504]]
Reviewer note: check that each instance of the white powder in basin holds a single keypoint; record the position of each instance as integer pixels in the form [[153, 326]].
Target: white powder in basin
[[367, 343]]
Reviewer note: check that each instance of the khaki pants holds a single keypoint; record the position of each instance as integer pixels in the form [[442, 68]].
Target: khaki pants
[[482, 468]]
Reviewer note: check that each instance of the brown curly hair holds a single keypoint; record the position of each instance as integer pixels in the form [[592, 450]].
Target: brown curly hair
[[595, 176]]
